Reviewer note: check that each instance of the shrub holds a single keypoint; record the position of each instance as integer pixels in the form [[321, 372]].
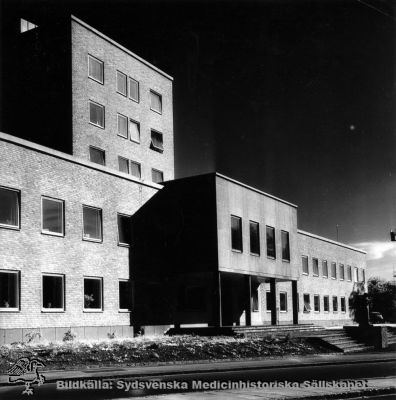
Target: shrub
[[69, 336]]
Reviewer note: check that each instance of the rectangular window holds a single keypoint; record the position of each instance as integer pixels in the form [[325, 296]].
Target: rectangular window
[[157, 176], [53, 294], [307, 303], [342, 272], [343, 309], [124, 229], [316, 303], [315, 267], [97, 155], [95, 69], [268, 300], [283, 301], [326, 303], [92, 221], [121, 83], [271, 249], [254, 238], [355, 273], [52, 216], [334, 270], [236, 233], [9, 208], [335, 304], [9, 290], [349, 272], [285, 246], [122, 125], [156, 102], [363, 275], [96, 114], [157, 143], [255, 300], [305, 266], [134, 131], [125, 295], [325, 269], [123, 165], [134, 90], [93, 294], [136, 171]]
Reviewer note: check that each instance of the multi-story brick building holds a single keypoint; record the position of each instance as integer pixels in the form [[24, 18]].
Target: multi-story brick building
[[95, 141]]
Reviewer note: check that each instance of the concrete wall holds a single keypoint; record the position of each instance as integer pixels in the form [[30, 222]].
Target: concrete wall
[[37, 171], [86, 40], [234, 198]]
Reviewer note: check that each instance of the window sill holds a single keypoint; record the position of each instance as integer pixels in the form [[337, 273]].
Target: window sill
[[305, 273], [124, 245], [92, 240], [286, 261], [11, 227], [334, 278], [271, 258], [316, 276], [325, 277], [255, 254], [237, 251], [316, 312], [122, 94], [283, 312], [52, 310], [96, 80], [135, 141], [124, 311], [157, 112], [342, 279], [326, 312], [134, 100], [97, 126], [124, 137], [93, 310], [10, 309], [48, 233], [255, 311]]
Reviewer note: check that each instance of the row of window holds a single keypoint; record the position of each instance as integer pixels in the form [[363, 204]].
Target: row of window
[[53, 292], [53, 217], [134, 168], [333, 270], [126, 127], [283, 306], [125, 85], [254, 236]]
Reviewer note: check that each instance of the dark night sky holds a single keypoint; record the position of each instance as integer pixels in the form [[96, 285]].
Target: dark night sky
[[294, 97]]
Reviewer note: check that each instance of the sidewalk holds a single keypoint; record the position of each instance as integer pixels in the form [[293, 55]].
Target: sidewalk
[[185, 368]]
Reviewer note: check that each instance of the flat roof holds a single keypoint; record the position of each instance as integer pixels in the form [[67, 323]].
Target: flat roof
[[254, 189], [114, 43], [330, 241], [5, 137]]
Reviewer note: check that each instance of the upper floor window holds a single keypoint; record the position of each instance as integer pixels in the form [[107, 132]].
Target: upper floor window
[[96, 114], [52, 216], [236, 233], [156, 102], [325, 269], [27, 25], [134, 131], [283, 301], [136, 171], [124, 229], [335, 303], [53, 292], [121, 83], [356, 276], [97, 155], [9, 290], [305, 266], [315, 267], [254, 237], [307, 303], [95, 69], [271, 249], [92, 222], [349, 272], [343, 307], [342, 272], [125, 295], [157, 143], [334, 270], [123, 165], [9, 208], [326, 305], [363, 275], [122, 125], [285, 246], [316, 303], [134, 90], [157, 176]]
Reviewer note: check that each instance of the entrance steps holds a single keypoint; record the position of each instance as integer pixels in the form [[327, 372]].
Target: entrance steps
[[391, 337], [276, 330], [341, 341]]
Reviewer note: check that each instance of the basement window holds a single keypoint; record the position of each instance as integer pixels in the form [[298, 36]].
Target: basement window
[[52, 216], [9, 290], [307, 303], [157, 142], [9, 208], [93, 294], [326, 303], [316, 303], [125, 295], [95, 69], [124, 229], [53, 292], [92, 220]]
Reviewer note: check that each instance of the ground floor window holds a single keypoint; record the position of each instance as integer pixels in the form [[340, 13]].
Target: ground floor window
[[283, 301], [268, 300], [343, 309], [335, 303], [307, 303], [93, 293], [255, 300], [9, 290], [53, 292], [125, 294], [326, 303], [316, 303]]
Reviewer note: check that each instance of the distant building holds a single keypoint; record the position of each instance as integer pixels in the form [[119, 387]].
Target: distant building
[[90, 141]]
